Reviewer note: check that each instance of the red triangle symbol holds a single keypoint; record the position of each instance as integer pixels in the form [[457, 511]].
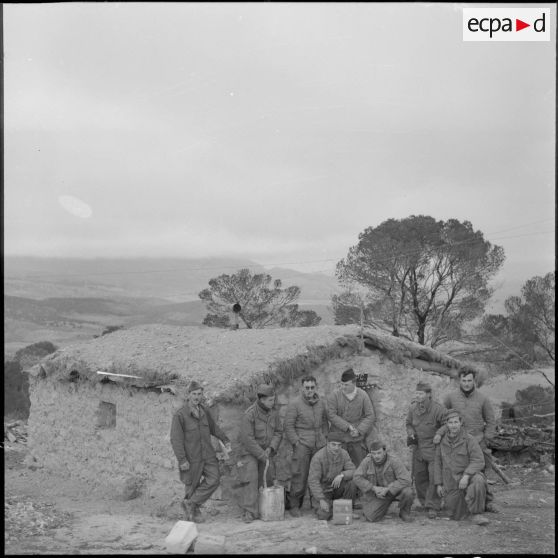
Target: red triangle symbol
[[519, 25]]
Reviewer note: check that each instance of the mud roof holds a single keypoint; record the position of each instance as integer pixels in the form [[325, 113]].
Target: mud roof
[[226, 362]]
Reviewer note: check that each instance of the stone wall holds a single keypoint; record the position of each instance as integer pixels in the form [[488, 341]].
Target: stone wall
[[69, 433]]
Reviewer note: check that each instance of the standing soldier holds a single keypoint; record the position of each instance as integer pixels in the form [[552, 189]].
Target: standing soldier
[[260, 436], [350, 412], [191, 430], [424, 418], [306, 429], [477, 415], [458, 476]]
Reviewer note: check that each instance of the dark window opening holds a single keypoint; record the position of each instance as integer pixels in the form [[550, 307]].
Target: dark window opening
[[106, 415]]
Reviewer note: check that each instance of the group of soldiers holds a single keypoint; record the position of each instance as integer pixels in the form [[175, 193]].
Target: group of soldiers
[[337, 454]]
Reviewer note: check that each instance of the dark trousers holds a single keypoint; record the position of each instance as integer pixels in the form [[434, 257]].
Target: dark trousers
[[375, 508], [300, 465], [347, 491], [357, 451], [424, 482], [199, 492], [250, 475], [472, 500]]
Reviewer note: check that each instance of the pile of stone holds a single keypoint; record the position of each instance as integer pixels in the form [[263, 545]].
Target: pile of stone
[[24, 518], [185, 538], [514, 438], [15, 432]]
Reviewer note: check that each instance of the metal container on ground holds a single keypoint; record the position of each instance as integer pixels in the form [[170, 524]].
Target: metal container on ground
[[342, 512], [271, 500], [181, 536]]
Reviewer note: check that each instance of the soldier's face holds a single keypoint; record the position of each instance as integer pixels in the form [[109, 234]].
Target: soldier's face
[[268, 401], [334, 447], [348, 387], [308, 389], [454, 425], [421, 396], [195, 396], [467, 382], [378, 455]]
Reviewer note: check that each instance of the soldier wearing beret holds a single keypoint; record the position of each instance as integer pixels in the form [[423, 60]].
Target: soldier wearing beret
[[424, 418], [382, 478], [330, 475], [350, 412], [190, 437], [458, 472], [259, 437]]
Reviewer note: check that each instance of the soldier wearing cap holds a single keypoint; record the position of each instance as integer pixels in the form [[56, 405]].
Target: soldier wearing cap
[[424, 418], [350, 412], [330, 475], [191, 430], [458, 472], [259, 437], [382, 478], [477, 415]]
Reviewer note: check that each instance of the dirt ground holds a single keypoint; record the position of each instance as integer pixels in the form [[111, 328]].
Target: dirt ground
[[45, 514]]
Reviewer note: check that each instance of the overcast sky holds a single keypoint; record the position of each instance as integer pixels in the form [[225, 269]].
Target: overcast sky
[[272, 131]]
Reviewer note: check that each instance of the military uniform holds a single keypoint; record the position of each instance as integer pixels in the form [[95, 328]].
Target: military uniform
[[358, 412], [454, 458], [422, 424], [260, 429], [324, 467], [306, 429], [391, 474], [190, 438]]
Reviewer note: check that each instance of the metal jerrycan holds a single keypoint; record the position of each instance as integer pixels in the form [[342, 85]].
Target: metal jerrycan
[[271, 500]]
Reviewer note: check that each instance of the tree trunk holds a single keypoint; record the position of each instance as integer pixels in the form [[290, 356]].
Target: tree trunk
[[420, 332]]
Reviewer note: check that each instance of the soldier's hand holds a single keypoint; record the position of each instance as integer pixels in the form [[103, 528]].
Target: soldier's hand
[[440, 491], [354, 432], [336, 482], [185, 466], [267, 452], [437, 439], [380, 491], [464, 482], [324, 506], [228, 447]]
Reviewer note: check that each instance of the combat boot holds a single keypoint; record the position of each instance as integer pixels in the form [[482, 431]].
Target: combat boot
[[197, 516], [405, 516]]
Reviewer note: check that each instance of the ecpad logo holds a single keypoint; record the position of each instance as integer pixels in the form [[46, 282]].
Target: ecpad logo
[[506, 24]]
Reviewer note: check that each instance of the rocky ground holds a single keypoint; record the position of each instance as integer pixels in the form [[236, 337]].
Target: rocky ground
[[46, 514]]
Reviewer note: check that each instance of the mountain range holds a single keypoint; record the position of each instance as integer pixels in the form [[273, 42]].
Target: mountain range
[[61, 300]]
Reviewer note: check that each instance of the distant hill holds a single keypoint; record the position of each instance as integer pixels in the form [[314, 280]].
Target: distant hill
[[176, 280]]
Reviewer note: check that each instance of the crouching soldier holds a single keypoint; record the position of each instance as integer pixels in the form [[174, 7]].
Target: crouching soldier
[[382, 478], [330, 475], [458, 476], [260, 436], [191, 430]]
